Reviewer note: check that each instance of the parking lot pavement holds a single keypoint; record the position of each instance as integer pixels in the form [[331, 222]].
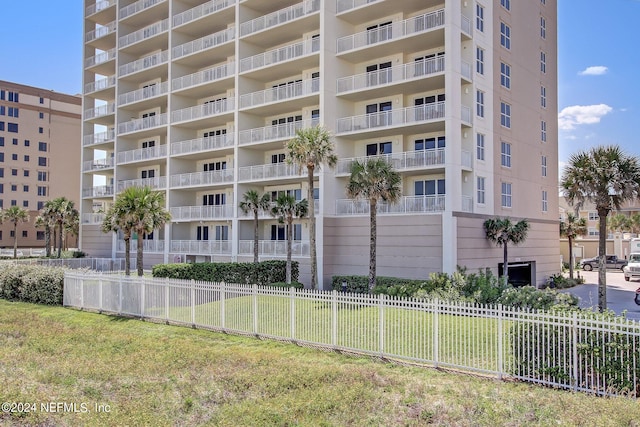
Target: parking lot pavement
[[620, 294]]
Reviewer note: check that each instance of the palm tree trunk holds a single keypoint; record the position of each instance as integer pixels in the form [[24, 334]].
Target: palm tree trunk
[[289, 238], [505, 264], [255, 236], [373, 222], [15, 240], [570, 258], [602, 262], [312, 230], [47, 240], [59, 239], [139, 254], [127, 255]]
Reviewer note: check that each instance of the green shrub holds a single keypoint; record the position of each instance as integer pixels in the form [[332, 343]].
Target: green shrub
[[78, 254], [392, 286], [561, 282], [262, 273], [296, 285], [528, 297], [35, 284]]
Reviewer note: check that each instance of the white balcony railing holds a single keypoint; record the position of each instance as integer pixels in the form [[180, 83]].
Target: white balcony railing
[[144, 33], [280, 93], [100, 58], [98, 191], [202, 178], [202, 144], [344, 5], [148, 246], [102, 84], [136, 7], [466, 115], [98, 138], [201, 247], [274, 132], [144, 63], [93, 218], [466, 71], [394, 31], [209, 109], [157, 183], [407, 204], [269, 171], [266, 213], [389, 118], [299, 248], [145, 93], [465, 24], [97, 164], [100, 111], [99, 6], [280, 17], [467, 204], [201, 213], [466, 159], [100, 31], [143, 124], [142, 154], [206, 42], [283, 54], [200, 11], [205, 76], [399, 161], [400, 73]]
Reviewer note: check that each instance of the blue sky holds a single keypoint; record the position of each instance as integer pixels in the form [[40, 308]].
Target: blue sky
[[598, 63]]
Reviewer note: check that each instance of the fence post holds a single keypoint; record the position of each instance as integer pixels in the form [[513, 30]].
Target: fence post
[[334, 318], [500, 343], [254, 291], [223, 291], [574, 350], [193, 303], [142, 295], [292, 312], [436, 333], [381, 304], [166, 299]]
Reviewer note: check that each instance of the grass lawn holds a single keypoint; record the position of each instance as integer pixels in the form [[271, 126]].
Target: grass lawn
[[156, 375]]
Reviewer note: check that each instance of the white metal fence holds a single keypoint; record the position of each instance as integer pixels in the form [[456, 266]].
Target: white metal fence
[[578, 351]]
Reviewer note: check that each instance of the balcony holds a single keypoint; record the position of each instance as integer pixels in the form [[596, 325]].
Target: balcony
[[467, 204], [142, 154], [276, 248], [410, 72], [345, 5], [144, 34], [270, 171], [136, 7], [98, 6], [100, 59], [466, 117], [201, 78], [145, 63], [396, 31], [97, 164], [148, 246], [157, 183], [196, 179], [294, 14], [392, 118], [99, 32], [406, 205], [282, 55], [93, 218], [400, 161], [279, 94], [98, 138], [274, 132], [145, 123], [201, 247], [214, 108], [266, 214], [200, 145], [98, 191], [100, 111], [205, 43], [201, 11], [99, 85], [201, 213], [143, 94]]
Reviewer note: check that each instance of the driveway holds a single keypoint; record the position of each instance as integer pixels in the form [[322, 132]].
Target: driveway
[[620, 294]]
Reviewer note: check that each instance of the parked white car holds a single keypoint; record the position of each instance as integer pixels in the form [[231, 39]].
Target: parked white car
[[632, 269]]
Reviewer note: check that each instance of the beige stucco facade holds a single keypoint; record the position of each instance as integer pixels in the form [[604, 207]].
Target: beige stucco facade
[[197, 98]]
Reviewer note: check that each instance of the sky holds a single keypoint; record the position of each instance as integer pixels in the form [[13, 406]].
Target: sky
[[598, 63]]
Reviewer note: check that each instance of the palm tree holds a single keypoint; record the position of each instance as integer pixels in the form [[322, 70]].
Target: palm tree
[[618, 222], [374, 180], [634, 223], [573, 227], [607, 177], [118, 218], [46, 220], [61, 209], [16, 215], [502, 232], [286, 209], [310, 148], [71, 226], [254, 202]]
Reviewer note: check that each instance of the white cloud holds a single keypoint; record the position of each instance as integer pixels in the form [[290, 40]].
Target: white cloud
[[575, 115], [596, 70]]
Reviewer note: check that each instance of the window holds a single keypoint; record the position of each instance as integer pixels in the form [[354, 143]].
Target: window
[[14, 141], [543, 62], [430, 187], [543, 131], [593, 216], [13, 112], [379, 114], [39, 235], [505, 114], [151, 173], [505, 154], [41, 115], [26, 172], [505, 36], [545, 202], [375, 149], [430, 144], [543, 27], [3, 110], [505, 75], [25, 233], [12, 127], [212, 166], [379, 33], [480, 182], [14, 187], [1, 125], [27, 143], [480, 103], [41, 130], [543, 97], [1, 157], [222, 232], [278, 232], [42, 176], [14, 156], [506, 4], [26, 157], [543, 163], [506, 194], [1, 141], [40, 205], [202, 232], [13, 96], [378, 74], [42, 161], [14, 203], [42, 146], [41, 100], [14, 172], [42, 191], [479, 60], [278, 158], [25, 203], [1, 172], [480, 146], [479, 18], [1, 188], [25, 188], [216, 199]]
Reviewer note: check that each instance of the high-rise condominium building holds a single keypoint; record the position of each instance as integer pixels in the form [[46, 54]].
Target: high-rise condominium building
[[196, 99], [40, 134]]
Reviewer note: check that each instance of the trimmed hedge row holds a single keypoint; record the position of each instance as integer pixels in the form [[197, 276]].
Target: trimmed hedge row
[[384, 285], [262, 273], [34, 284]]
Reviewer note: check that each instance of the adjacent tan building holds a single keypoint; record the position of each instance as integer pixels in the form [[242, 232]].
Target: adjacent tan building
[[197, 98], [40, 134]]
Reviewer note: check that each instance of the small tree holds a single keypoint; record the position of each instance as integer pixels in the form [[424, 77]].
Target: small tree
[[46, 220], [634, 223], [254, 202], [502, 231], [619, 222], [374, 180], [16, 215], [573, 227], [286, 209]]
